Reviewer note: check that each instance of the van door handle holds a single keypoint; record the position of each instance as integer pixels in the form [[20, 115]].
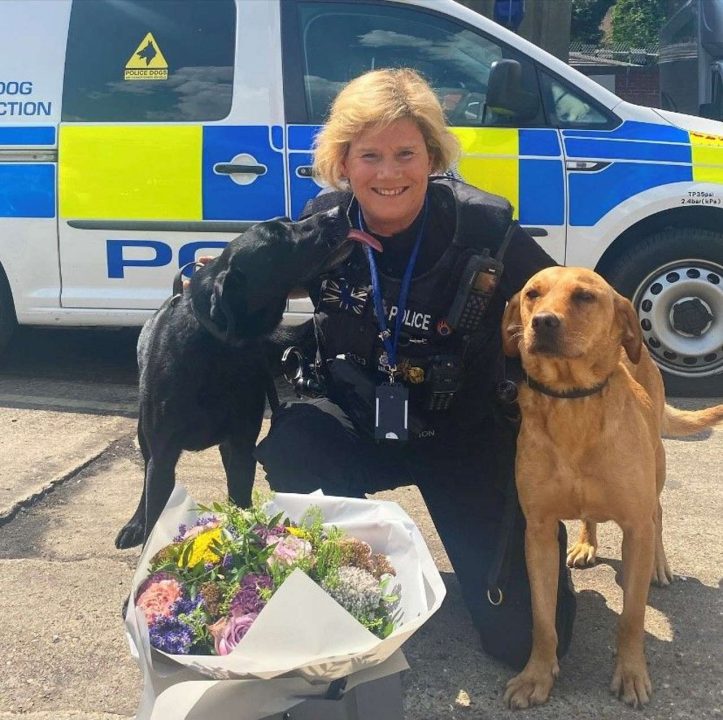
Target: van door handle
[[305, 171], [232, 168], [242, 169]]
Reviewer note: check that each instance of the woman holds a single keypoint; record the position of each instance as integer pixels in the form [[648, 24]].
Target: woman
[[386, 326]]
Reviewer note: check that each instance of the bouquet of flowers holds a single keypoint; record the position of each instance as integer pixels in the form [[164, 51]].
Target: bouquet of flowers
[[243, 613], [209, 585]]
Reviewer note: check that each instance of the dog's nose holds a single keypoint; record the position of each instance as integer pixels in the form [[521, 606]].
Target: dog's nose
[[545, 321]]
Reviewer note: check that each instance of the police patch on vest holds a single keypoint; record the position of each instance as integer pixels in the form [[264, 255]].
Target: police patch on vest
[[414, 322], [340, 295]]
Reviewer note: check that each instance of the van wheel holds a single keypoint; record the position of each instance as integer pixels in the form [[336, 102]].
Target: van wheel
[[8, 321], [675, 281]]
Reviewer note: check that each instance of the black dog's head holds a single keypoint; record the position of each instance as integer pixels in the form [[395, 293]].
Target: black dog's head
[[242, 293]]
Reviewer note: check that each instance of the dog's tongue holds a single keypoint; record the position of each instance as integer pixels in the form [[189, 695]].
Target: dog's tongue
[[365, 238]]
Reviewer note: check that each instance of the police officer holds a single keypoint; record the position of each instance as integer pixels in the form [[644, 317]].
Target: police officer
[[409, 349]]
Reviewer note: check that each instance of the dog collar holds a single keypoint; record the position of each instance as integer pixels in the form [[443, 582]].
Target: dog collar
[[565, 394]]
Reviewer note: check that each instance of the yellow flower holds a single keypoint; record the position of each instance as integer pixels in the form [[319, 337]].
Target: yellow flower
[[201, 551], [297, 532]]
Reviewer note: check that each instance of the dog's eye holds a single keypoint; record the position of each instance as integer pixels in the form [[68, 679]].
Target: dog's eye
[[532, 294], [583, 296]]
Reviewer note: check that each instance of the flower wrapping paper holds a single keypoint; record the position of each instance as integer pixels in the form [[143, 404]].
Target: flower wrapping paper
[[302, 639]]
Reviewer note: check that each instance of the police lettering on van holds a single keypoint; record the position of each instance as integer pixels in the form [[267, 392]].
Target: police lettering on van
[[118, 170]]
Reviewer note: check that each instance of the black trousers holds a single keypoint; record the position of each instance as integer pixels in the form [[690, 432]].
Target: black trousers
[[464, 482]]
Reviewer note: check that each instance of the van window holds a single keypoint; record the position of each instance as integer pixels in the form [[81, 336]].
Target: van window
[[568, 107], [142, 60], [340, 41]]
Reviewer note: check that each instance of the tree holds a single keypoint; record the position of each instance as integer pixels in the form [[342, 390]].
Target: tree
[[637, 23], [586, 18]]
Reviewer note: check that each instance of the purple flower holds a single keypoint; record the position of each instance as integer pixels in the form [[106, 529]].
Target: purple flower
[[227, 632], [185, 606], [248, 599], [171, 635], [227, 562], [270, 534]]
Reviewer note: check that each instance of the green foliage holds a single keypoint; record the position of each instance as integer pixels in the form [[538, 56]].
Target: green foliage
[[637, 23], [586, 18]]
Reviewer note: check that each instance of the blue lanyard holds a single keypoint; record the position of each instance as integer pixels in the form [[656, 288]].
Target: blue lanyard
[[390, 341]]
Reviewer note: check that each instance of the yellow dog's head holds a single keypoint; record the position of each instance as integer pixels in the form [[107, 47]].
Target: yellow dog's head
[[571, 317]]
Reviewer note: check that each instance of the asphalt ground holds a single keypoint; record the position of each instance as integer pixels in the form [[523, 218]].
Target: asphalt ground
[[72, 474]]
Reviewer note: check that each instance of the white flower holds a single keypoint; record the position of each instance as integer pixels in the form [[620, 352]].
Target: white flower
[[356, 590]]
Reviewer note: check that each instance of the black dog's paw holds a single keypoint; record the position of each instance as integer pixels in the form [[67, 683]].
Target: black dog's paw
[[131, 535]]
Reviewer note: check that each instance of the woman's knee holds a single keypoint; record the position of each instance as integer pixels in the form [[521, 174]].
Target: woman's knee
[[306, 449]]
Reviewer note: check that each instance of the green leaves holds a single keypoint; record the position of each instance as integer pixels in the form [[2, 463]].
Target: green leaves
[[637, 23]]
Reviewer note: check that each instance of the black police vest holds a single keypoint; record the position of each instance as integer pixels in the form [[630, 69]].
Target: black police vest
[[344, 312]]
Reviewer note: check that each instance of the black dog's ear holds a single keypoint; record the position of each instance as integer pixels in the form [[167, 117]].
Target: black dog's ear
[[228, 301], [512, 327]]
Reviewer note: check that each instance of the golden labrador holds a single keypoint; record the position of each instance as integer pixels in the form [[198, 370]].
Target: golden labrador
[[593, 411]]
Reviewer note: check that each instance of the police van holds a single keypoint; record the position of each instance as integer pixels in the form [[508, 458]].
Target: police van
[[136, 135]]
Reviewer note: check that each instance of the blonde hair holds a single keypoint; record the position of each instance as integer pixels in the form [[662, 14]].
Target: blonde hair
[[377, 99]]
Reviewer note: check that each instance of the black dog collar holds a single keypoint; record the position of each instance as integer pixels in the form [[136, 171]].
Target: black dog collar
[[565, 394]]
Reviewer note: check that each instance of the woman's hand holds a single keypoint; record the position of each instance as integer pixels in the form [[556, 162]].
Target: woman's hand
[[203, 260]]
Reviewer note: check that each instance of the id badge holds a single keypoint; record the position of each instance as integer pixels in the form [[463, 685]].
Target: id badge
[[392, 412]]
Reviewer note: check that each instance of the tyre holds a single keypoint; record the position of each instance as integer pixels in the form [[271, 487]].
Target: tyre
[[675, 281], [8, 321]]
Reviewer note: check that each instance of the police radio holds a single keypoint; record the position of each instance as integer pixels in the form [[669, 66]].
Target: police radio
[[479, 280]]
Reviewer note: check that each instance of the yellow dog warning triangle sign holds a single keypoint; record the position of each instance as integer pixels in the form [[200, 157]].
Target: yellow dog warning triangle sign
[[147, 62]]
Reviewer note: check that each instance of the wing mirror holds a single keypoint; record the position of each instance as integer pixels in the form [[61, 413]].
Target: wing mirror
[[505, 95]]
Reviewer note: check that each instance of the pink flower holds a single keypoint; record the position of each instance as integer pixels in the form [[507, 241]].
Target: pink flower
[[227, 632], [288, 550], [157, 598]]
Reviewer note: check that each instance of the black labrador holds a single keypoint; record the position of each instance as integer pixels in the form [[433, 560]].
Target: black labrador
[[203, 356]]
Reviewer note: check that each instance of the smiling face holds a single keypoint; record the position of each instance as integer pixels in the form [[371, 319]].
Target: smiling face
[[388, 170]]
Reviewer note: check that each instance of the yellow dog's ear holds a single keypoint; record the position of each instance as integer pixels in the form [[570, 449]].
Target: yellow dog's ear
[[512, 327], [631, 337]]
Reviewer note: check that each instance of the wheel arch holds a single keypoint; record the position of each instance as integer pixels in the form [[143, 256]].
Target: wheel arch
[[8, 315], [701, 218]]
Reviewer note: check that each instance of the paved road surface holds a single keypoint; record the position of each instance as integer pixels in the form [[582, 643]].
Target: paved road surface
[[71, 476]]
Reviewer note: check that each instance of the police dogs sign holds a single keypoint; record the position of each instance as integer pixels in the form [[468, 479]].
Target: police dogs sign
[[147, 62]]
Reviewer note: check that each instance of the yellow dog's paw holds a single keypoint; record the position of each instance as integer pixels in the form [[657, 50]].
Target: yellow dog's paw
[[662, 574], [581, 554], [531, 687], [631, 683]]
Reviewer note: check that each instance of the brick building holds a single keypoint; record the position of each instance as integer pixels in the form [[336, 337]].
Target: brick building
[[635, 78]]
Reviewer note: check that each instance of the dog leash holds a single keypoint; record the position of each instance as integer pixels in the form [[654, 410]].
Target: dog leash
[[271, 392], [498, 574], [499, 571]]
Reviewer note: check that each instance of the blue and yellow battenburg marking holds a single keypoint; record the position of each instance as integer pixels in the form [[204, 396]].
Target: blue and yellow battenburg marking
[[525, 166], [166, 172]]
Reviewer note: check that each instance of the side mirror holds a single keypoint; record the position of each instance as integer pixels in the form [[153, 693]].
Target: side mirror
[[505, 94]]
